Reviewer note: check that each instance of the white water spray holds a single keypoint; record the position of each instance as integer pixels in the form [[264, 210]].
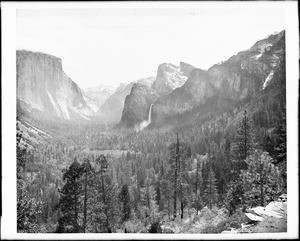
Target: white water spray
[[145, 123], [149, 117]]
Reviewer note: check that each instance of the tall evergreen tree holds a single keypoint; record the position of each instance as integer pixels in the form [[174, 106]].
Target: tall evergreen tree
[[243, 145], [167, 194], [101, 185], [198, 185], [124, 197], [262, 180], [69, 202], [211, 193], [280, 146], [148, 199], [87, 170], [28, 207], [178, 173], [241, 149]]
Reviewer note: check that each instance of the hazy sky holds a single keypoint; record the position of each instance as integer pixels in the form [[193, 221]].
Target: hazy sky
[[110, 46]]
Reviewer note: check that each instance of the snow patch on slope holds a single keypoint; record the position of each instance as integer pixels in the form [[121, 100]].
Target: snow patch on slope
[[175, 76], [264, 47], [261, 48], [268, 79], [257, 56]]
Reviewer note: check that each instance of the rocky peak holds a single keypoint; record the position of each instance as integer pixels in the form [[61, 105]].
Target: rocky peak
[[186, 69], [243, 75], [169, 77], [95, 97], [265, 44], [146, 81], [42, 85], [137, 104], [121, 87]]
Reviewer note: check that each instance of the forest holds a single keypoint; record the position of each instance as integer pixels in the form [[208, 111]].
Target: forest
[[195, 174]]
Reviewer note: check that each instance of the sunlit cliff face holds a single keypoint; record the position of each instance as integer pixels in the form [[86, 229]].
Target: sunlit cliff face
[[42, 85]]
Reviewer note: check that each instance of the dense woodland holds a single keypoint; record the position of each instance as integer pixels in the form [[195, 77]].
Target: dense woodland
[[221, 155], [162, 174]]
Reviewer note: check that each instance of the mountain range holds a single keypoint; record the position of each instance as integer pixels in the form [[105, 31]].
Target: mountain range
[[43, 89], [244, 75], [95, 97]]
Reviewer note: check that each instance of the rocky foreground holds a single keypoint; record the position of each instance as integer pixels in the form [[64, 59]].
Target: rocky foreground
[[269, 219]]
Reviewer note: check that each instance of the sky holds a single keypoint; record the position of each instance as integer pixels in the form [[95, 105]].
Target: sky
[[119, 45]]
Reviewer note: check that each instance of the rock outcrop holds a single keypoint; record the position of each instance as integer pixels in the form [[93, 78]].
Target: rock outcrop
[[170, 77], [137, 104], [243, 75], [112, 109], [42, 85]]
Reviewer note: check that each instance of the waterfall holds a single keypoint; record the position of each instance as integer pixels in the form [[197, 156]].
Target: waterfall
[[145, 123], [149, 117]]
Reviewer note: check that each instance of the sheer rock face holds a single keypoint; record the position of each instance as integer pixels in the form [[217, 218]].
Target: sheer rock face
[[195, 90], [243, 75], [112, 109], [170, 77], [137, 104], [42, 85]]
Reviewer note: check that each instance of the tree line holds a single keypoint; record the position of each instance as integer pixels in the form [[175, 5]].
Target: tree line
[[130, 193]]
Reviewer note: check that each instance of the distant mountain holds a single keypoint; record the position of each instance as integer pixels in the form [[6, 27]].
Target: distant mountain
[[96, 96], [146, 81], [242, 76], [111, 110], [44, 88], [170, 77]]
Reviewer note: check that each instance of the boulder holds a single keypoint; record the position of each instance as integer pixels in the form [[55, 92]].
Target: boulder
[[254, 217], [273, 209]]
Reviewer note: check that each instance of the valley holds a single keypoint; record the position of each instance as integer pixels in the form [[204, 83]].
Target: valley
[[163, 154]]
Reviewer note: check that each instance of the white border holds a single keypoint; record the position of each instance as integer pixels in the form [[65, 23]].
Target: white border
[[8, 220]]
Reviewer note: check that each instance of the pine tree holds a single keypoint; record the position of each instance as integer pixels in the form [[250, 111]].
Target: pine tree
[[148, 199], [262, 180], [241, 149], [28, 208], [243, 145], [211, 193], [69, 202], [101, 185], [124, 197], [198, 185], [87, 171], [167, 194], [113, 206], [280, 147], [234, 196], [178, 173], [183, 179]]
